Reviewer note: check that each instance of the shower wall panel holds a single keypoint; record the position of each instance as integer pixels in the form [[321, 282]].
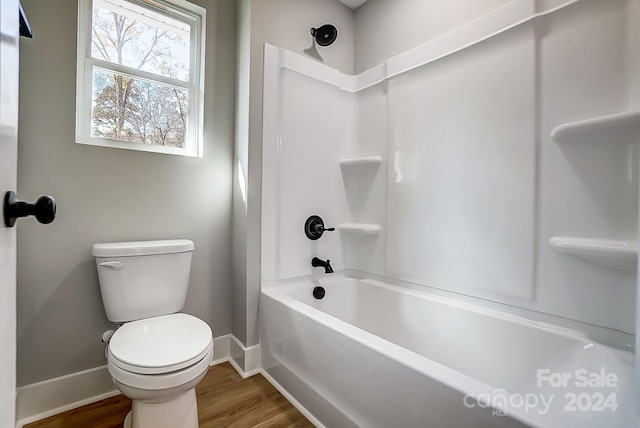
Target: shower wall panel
[[365, 186], [315, 124], [461, 211]]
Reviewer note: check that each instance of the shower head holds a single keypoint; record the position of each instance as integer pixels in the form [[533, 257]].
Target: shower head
[[325, 35]]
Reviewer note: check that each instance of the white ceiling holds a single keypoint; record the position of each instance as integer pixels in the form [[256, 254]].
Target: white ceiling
[[353, 4]]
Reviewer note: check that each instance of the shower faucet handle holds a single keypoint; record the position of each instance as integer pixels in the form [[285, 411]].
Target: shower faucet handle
[[322, 229], [314, 228]]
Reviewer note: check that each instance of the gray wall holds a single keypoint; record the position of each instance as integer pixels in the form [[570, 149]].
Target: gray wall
[[286, 24], [385, 28], [106, 194], [239, 245]]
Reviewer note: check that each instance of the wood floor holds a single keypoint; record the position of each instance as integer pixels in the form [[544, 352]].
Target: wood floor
[[224, 400]]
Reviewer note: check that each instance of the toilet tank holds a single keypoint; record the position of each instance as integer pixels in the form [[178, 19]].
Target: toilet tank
[[143, 279]]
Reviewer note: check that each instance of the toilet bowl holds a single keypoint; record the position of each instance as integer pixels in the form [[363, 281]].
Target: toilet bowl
[[157, 362], [157, 356]]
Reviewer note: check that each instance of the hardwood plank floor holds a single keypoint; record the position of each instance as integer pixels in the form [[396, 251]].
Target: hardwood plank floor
[[224, 400]]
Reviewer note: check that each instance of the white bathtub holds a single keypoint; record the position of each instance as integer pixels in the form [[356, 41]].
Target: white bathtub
[[374, 355]]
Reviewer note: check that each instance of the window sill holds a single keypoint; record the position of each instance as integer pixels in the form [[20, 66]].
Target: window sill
[[139, 147]]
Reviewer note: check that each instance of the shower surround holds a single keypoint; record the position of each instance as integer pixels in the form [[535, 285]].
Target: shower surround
[[496, 164]]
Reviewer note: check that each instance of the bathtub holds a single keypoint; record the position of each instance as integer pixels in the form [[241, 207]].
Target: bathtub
[[371, 354]]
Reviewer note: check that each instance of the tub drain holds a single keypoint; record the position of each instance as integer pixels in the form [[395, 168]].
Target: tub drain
[[319, 293]]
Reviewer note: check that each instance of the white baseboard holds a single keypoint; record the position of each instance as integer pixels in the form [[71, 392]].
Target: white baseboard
[[246, 361], [50, 397], [307, 414], [54, 396], [221, 349]]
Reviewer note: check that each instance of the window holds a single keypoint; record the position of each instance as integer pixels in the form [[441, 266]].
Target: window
[[140, 80]]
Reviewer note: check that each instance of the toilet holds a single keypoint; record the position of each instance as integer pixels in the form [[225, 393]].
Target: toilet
[[157, 356]]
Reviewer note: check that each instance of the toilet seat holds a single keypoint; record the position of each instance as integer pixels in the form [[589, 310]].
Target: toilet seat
[[160, 382], [160, 345]]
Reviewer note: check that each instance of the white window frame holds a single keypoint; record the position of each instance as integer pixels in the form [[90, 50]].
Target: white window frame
[[187, 12]]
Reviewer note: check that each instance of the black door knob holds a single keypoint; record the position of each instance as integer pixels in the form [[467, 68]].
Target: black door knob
[[44, 209]]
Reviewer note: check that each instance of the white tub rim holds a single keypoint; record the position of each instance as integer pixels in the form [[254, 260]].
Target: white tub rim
[[618, 340]]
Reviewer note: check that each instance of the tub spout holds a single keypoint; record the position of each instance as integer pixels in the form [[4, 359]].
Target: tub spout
[[316, 262]]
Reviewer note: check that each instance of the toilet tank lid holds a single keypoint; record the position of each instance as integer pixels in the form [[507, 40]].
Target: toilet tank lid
[[141, 248]]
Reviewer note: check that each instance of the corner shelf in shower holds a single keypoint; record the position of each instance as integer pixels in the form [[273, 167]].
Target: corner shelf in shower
[[616, 254], [365, 161], [615, 128], [360, 228]]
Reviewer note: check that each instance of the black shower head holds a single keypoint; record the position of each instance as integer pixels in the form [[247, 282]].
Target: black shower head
[[325, 35]]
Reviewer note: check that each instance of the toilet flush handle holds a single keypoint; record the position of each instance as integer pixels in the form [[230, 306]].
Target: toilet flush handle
[[112, 265]]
